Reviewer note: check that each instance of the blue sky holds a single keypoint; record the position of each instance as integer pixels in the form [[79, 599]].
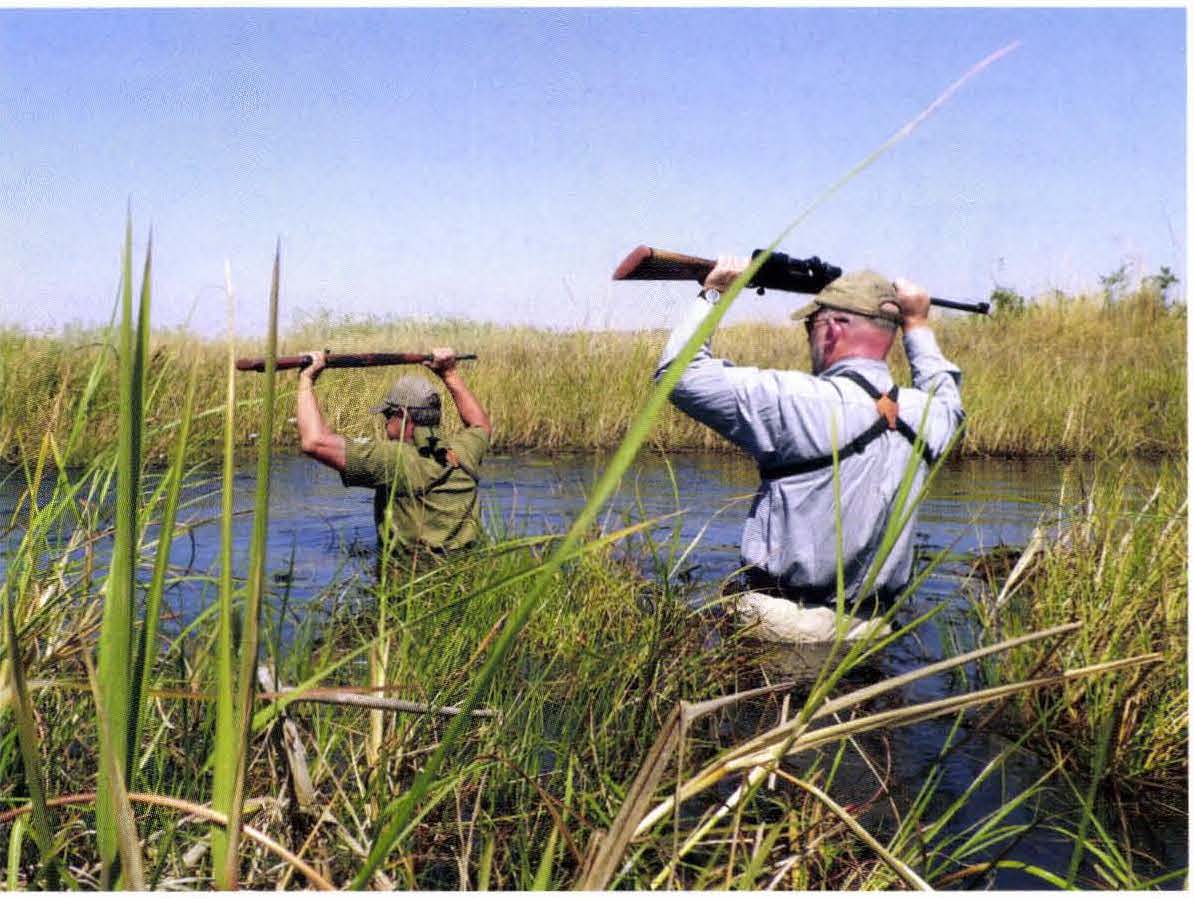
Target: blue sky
[[497, 164]]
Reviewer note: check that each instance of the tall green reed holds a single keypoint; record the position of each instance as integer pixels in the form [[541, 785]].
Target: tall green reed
[[225, 759], [255, 589], [234, 725], [117, 635], [638, 431]]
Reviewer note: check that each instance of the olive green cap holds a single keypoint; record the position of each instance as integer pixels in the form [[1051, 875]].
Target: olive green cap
[[417, 396], [863, 293]]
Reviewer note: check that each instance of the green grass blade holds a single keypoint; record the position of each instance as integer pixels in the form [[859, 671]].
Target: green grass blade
[[147, 649], [116, 634], [124, 824], [251, 623], [30, 752], [546, 862], [16, 837], [224, 759]]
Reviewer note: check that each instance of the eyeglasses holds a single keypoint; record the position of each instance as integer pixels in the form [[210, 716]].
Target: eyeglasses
[[811, 324]]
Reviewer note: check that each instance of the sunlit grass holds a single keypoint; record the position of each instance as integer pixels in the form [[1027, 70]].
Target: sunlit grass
[[1115, 559], [1068, 377], [582, 657], [602, 656]]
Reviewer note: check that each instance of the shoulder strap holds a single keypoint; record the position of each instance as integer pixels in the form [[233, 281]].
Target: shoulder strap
[[453, 460], [888, 408]]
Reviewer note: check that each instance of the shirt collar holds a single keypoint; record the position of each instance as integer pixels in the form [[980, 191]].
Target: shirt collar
[[859, 364]]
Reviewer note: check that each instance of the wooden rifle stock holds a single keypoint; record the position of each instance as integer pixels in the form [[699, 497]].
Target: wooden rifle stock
[[779, 272], [648, 264], [343, 360]]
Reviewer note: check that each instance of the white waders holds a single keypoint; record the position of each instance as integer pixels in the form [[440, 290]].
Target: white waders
[[778, 620]]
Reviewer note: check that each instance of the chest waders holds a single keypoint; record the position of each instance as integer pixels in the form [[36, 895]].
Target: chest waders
[[888, 409]]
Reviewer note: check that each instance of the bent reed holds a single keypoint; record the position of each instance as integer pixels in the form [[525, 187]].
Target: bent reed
[[1114, 557], [1067, 376]]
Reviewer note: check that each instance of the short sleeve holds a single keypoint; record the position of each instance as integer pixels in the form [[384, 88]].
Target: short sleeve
[[471, 447], [374, 464]]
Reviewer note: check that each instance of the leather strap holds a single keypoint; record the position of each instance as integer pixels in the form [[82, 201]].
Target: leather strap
[[887, 408]]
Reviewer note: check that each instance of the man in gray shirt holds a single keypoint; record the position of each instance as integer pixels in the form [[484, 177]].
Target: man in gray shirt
[[790, 422]]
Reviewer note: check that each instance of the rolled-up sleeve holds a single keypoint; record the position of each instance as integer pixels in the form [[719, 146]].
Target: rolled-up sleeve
[[941, 379], [764, 411], [703, 391]]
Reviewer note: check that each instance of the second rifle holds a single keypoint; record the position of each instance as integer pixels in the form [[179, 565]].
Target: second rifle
[[343, 360]]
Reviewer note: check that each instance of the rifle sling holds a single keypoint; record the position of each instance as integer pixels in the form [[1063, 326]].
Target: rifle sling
[[886, 406]]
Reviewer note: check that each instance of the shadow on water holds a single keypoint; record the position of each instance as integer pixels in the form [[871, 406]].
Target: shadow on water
[[975, 506]]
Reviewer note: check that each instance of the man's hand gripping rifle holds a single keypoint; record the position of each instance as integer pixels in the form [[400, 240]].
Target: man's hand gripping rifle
[[779, 272]]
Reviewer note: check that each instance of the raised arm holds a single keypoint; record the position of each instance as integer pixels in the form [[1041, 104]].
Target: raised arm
[[770, 414], [472, 413], [931, 371], [316, 439]]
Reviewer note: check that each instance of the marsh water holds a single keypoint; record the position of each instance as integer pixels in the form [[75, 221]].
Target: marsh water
[[974, 506]]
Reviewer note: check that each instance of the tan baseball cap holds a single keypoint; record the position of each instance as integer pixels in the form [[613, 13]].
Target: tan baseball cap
[[864, 293]]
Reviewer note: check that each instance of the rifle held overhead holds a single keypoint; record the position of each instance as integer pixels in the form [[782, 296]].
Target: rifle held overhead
[[779, 272], [344, 360]]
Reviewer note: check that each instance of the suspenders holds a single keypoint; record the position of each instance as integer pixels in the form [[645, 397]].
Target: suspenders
[[887, 407]]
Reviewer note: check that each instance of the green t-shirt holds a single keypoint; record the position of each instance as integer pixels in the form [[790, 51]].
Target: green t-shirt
[[433, 501]]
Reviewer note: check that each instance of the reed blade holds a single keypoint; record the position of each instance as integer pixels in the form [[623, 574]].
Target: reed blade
[[30, 750], [116, 656], [147, 646], [124, 825], [224, 758], [251, 620]]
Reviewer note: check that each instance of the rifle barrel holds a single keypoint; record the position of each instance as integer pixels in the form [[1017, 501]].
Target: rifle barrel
[[343, 360], [981, 307]]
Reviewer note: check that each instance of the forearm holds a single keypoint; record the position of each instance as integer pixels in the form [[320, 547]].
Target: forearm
[[316, 439], [927, 361], [690, 320], [472, 413], [311, 425]]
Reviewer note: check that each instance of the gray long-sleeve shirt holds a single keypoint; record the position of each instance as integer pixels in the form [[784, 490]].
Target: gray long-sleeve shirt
[[784, 417]]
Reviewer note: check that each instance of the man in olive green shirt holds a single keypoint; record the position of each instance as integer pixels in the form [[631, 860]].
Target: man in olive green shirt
[[425, 486]]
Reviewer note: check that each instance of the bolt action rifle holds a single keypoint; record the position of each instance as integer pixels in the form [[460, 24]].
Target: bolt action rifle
[[779, 272], [343, 360]]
